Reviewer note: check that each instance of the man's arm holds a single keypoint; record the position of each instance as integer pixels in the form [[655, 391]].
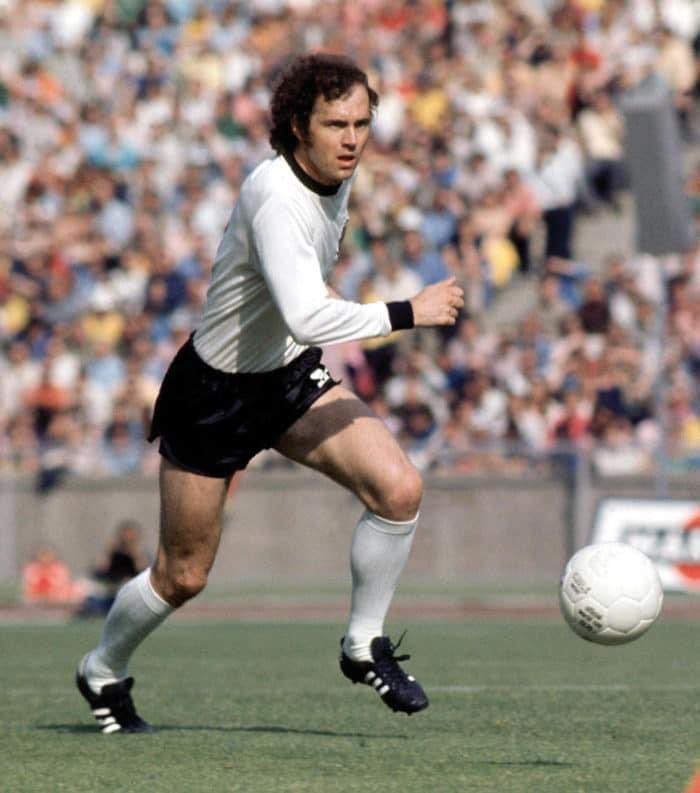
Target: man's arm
[[292, 271]]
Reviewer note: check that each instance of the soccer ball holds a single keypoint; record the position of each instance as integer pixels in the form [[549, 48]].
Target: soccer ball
[[610, 593]]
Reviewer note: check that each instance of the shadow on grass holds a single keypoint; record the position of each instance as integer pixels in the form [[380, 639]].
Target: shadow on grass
[[536, 763], [79, 729]]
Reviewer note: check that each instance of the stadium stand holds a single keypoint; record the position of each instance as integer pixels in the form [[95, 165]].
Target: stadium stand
[[127, 127]]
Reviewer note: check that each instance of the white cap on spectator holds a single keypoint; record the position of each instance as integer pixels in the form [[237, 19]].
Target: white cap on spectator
[[102, 299], [410, 218]]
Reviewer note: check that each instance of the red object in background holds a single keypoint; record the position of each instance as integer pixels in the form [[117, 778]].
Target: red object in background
[[47, 579], [694, 784], [690, 570]]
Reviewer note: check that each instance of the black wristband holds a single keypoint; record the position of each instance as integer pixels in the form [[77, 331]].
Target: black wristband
[[400, 314]]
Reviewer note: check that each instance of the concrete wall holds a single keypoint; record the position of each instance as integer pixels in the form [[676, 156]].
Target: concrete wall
[[296, 526]]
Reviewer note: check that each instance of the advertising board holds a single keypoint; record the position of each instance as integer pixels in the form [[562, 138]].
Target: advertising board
[[667, 530]]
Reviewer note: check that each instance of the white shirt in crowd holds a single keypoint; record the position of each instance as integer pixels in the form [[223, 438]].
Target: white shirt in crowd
[[556, 181]]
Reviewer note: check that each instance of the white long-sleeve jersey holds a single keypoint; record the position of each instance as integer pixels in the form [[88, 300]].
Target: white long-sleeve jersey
[[267, 300]]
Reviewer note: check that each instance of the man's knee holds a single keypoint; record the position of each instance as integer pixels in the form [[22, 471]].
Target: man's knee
[[178, 583], [399, 498]]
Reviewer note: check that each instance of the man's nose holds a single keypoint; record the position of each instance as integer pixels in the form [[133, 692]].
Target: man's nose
[[350, 137]]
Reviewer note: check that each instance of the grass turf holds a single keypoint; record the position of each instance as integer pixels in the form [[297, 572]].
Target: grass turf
[[516, 707]]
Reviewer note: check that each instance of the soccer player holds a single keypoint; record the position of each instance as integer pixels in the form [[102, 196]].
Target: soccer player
[[251, 377]]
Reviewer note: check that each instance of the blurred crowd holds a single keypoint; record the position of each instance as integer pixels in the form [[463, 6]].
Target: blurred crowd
[[126, 128], [48, 580]]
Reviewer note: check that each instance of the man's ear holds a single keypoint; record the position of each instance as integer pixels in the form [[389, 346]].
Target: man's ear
[[296, 129]]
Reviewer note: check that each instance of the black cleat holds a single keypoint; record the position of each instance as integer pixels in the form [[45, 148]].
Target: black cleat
[[113, 707], [400, 691]]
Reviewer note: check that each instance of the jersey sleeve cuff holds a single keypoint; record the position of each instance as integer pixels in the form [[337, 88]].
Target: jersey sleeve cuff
[[400, 314]]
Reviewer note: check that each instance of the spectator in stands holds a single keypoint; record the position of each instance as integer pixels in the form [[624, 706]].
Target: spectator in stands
[[427, 264], [555, 183], [676, 62], [419, 435], [489, 407], [618, 453], [441, 217], [601, 129], [124, 558], [477, 177], [551, 309], [524, 214], [46, 400], [47, 580], [468, 262], [393, 280], [127, 128], [594, 311]]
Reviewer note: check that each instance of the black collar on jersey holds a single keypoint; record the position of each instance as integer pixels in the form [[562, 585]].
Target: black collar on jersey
[[309, 181]]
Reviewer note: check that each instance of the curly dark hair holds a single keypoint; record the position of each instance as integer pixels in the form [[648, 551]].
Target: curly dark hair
[[299, 86]]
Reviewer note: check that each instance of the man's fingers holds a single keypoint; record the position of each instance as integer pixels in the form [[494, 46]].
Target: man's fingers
[[456, 297], [439, 303]]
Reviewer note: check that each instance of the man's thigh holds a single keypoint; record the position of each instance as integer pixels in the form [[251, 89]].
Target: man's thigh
[[341, 437], [191, 515]]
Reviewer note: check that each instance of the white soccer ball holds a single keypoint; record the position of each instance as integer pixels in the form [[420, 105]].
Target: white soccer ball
[[610, 593]]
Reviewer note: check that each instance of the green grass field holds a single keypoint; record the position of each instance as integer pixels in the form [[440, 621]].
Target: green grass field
[[516, 707]]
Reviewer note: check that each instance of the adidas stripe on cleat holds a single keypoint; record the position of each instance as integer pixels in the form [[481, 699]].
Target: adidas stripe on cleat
[[113, 708], [399, 691]]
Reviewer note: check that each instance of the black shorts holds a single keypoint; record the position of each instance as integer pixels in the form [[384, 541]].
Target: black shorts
[[212, 422]]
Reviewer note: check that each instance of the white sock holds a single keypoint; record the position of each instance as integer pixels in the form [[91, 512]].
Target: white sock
[[379, 552], [137, 610]]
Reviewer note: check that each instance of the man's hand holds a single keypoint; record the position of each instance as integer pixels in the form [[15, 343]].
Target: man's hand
[[437, 304]]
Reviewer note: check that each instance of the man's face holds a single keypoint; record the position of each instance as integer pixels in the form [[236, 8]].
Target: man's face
[[338, 133]]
